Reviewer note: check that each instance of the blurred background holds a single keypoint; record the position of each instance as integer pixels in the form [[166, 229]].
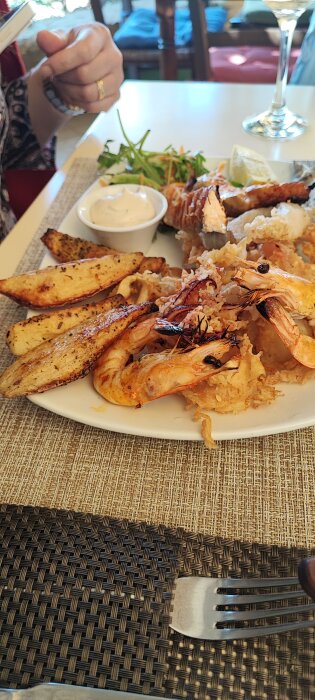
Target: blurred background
[[67, 13], [234, 41]]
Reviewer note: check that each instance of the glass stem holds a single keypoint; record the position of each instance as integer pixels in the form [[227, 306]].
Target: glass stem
[[287, 27]]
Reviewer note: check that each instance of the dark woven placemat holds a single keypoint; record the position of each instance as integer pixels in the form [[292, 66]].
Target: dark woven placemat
[[86, 600]]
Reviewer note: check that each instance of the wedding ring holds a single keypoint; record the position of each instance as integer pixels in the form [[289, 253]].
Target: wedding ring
[[100, 89]]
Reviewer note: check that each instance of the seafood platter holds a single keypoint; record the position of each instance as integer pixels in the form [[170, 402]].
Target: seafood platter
[[208, 336]]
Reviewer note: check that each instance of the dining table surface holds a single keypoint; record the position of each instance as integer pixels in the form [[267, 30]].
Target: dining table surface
[[76, 499]]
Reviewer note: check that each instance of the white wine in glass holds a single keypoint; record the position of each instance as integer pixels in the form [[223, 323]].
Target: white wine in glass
[[279, 122]]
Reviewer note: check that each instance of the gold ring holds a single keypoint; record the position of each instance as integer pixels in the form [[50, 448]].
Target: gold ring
[[100, 89]]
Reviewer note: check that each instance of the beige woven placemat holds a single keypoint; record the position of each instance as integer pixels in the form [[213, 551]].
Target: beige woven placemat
[[257, 490]]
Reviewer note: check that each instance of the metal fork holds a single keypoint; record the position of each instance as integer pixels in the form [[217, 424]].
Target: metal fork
[[222, 608]]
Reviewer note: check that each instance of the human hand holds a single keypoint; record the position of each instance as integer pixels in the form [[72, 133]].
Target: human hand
[[85, 64]]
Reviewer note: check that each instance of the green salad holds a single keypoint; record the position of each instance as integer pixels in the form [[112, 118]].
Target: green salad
[[153, 168]]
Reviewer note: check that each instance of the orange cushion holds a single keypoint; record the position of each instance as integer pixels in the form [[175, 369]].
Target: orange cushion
[[247, 64]]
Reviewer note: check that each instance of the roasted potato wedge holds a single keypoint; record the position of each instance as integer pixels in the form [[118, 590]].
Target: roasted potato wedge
[[26, 335], [69, 356], [66, 248], [67, 283]]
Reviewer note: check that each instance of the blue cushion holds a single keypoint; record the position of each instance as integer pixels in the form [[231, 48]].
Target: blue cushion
[[141, 30]]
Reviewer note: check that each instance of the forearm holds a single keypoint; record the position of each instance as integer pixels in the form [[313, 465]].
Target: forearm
[[45, 119], [21, 147]]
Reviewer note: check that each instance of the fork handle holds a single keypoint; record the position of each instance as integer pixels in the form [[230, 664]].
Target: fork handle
[[306, 574]]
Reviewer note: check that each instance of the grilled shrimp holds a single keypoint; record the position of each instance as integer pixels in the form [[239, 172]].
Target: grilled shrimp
[[301, 346], [265, 281], [158, 374]]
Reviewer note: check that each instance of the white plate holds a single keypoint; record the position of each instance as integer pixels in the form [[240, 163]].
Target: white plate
[[168, 418]]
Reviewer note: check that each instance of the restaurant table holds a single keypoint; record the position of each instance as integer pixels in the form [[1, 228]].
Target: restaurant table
[[96, 525]]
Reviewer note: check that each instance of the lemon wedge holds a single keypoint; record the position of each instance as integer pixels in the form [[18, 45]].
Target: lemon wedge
[[247, 167]]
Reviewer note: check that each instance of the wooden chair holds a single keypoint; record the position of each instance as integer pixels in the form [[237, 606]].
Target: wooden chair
[[241, 36], [97, 9], [168, 58]]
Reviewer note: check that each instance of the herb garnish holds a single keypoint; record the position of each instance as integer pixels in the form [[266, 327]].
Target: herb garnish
[[153, 168]]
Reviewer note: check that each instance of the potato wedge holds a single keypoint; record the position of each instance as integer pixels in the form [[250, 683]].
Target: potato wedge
[[67, 283], [66, 248], [69, 356], [26, 335]]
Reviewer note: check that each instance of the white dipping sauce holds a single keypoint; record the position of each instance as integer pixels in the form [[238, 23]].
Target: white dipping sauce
[[122, 209]]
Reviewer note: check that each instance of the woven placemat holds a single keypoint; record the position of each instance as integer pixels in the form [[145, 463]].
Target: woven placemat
[[86, 600], [256, 490]]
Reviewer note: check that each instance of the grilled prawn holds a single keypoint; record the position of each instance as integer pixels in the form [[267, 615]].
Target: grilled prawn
[[265, 281], [300, 345], [277, 294], [154, 375]]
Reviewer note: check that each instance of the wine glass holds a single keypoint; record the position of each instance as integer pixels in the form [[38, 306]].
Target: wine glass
[[279, 122]]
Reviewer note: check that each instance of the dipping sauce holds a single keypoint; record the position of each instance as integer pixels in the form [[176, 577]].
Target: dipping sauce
[[122, 209]]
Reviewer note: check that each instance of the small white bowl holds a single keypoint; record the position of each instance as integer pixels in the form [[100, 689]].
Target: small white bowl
[[134, 238]]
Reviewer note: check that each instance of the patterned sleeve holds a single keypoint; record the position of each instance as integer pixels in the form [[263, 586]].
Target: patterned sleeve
[[21, 148]]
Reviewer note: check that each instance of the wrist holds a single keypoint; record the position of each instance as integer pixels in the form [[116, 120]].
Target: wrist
[[45, 119], [56, 101]]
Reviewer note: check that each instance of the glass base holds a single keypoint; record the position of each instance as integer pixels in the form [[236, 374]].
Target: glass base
[[277, 124]]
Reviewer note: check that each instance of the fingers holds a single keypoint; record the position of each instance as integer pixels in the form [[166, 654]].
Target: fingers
[[76, 62], [82, 46], [50, 42], [106, 62], [87, 96]]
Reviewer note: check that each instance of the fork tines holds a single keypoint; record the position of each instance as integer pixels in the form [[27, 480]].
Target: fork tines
[[209, 608]]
